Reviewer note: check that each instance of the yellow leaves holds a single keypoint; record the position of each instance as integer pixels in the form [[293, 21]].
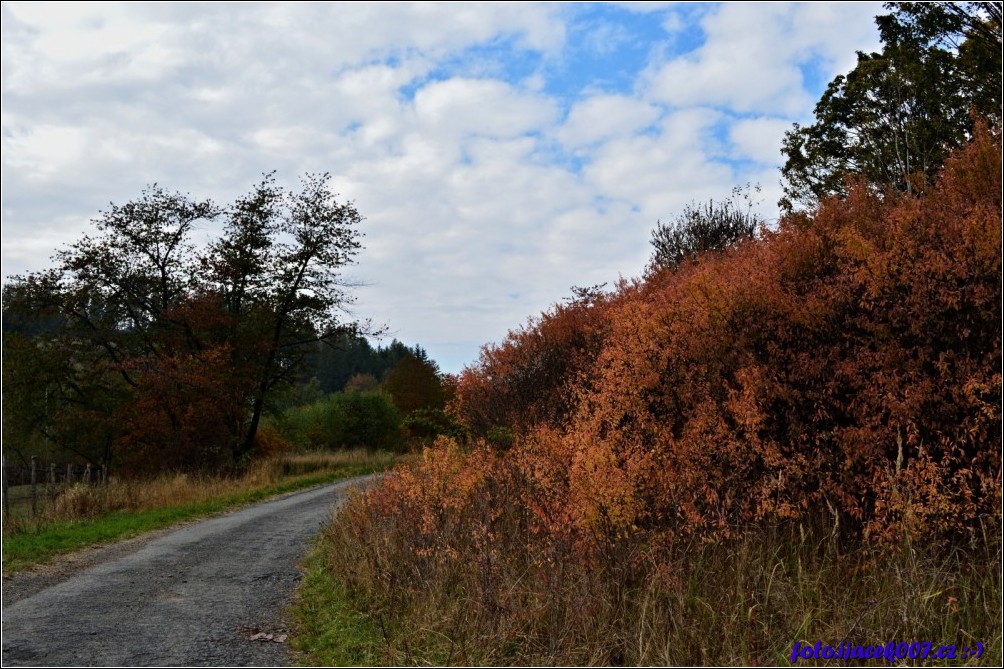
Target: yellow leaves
[[604, 488]]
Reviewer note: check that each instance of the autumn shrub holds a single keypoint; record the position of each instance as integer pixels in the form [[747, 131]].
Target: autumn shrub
[[269, 443], [451, 537], [530, 378], [868, 386], [796, 438], [471, 559], [847, 364]]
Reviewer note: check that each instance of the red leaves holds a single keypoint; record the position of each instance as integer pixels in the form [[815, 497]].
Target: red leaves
[[531, 377], [181, 413], [191, 400]]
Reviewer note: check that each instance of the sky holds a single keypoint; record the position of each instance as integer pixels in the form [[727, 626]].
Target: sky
[[499, 153]]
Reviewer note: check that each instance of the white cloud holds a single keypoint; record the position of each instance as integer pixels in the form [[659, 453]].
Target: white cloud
[[43, 150], [484, 201], [460, 107], [752, 55], [759, 139], [601, 117], [660, 173], [84, 45]]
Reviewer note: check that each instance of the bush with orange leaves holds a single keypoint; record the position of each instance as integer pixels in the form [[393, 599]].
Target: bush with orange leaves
[[841, 371], [847, 363], [530, 379], [492, 546]]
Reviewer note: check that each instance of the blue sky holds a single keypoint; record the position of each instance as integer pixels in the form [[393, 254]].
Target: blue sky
[[500, 153]]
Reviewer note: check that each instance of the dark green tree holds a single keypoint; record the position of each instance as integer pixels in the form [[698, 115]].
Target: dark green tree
[[898, 114], [334, 362], [415, 383]]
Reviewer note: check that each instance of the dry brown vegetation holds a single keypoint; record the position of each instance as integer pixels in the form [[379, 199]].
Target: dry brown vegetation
[[472, 583], [82, 501]]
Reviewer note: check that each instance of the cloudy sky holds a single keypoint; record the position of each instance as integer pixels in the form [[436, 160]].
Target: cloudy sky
[[500, 153]]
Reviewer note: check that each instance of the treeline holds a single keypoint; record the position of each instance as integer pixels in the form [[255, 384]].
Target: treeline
[[140, 350], [346, 394], [334, 363]]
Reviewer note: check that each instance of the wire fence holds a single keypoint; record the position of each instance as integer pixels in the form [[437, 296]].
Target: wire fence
[[40, 480]]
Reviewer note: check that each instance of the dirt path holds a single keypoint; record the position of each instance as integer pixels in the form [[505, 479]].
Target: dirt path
[[189, 596]]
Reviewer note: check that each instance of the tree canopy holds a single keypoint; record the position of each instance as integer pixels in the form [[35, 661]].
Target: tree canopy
[[895, 118], [714, 226], [183, 344]]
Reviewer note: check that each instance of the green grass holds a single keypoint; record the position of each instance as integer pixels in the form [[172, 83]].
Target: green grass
[[29, 549], [331, 630]]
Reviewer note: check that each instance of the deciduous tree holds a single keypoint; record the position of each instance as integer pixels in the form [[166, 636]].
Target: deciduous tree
[[714, 226], [896, 117], [197, 339], [278, 269]]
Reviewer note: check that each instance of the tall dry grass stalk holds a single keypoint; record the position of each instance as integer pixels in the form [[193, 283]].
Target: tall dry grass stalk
[[473, 584], [80, 501]]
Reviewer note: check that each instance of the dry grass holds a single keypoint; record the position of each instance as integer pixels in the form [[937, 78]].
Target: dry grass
[[508, 598], [81, 501]]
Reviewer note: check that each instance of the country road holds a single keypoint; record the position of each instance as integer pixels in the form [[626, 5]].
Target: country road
[[189, 596]]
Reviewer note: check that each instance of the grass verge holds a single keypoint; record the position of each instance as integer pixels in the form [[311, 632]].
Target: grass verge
[[28, 542], [331, 629], [372, 598]]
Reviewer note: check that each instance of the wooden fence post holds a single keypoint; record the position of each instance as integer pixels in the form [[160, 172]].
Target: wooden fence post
[[87, 473], [52, 472], [34, 480], [6, 497], [69, 473]]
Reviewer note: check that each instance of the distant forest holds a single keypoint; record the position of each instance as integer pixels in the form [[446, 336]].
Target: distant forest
[[334, 363]]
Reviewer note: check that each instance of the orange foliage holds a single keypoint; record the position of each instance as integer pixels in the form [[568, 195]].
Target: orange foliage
[[844, 368], [845, 365], [529, 379]]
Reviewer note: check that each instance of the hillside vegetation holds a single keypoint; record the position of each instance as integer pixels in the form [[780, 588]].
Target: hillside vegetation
[[797, 438]]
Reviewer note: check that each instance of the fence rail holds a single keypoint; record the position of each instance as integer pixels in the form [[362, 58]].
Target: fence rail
[[39, 479]]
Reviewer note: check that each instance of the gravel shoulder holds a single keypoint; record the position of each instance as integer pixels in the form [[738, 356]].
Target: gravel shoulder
[[193, 595]]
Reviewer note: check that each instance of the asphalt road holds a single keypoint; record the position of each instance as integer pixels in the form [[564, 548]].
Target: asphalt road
[[189, 596]]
